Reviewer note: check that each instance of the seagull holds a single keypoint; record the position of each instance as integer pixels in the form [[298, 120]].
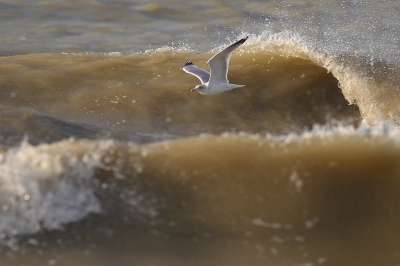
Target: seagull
[[217, 82]]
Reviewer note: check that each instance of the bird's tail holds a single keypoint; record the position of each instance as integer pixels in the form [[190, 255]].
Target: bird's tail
[[234, 86]]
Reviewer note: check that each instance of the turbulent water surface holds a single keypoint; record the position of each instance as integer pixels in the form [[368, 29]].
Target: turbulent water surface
[[107, 158]]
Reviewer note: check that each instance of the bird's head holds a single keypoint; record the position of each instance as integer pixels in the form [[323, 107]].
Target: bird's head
[[199, 88]]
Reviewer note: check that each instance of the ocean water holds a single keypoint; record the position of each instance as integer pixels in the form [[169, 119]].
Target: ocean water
[[108, 158]]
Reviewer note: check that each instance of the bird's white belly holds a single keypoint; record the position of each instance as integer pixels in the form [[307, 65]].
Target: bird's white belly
[[219, 88]]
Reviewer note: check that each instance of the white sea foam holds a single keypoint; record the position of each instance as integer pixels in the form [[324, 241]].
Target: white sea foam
[[323, 131], [46, 186], [370, 83]]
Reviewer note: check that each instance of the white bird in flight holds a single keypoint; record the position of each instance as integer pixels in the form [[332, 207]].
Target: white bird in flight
[[217, 82]]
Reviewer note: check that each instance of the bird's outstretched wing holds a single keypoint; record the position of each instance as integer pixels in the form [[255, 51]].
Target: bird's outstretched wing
[[219, 63], [201, 74]]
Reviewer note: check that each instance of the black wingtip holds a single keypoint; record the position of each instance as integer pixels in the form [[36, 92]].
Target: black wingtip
[[243, 40], [188, 63]]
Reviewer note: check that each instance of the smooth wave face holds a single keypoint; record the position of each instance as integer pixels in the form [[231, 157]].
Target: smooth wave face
[[287, 88], [284, 197], [142, 92]]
